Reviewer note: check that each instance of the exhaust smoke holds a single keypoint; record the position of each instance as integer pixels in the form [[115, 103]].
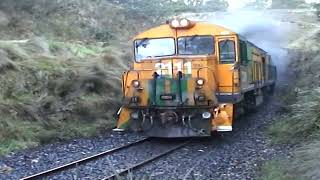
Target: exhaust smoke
[[265, 28]]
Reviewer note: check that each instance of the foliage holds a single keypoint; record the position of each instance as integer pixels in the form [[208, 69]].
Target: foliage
[[316, 6], [102, 20], [303, 121], [157, 9], [300, 120], [16, 134], [274, 170], [73, 19], [300, 123], [71, 90], [215, 5], [160, 9], [285, 4], [303, 164], [257, 4], [59, 82], [276, 4]]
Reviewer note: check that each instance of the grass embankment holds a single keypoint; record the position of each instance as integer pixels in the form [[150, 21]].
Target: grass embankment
[[300, 122], [65, 87], [56, 90], [65, 84]]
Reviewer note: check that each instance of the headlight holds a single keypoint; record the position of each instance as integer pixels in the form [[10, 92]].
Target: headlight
[[135, 115], [200, 82], [175, 23], [181, 23], [184, 22], [135, 83], [206, 115]]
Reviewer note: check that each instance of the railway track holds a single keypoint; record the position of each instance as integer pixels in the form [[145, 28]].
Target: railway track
[[117, 173], [137, 165]]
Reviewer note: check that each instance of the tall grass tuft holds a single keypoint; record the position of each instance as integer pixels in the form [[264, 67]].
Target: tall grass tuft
[[302, 126], [300, 123], [304, 164], [47, 97], [303, 121]]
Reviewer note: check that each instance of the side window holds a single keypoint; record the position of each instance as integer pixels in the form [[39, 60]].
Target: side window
[[227, 51], [243, 53]]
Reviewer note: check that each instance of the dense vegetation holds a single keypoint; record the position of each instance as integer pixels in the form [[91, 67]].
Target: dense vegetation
[[278, 4], [61, 62], [299, 120]]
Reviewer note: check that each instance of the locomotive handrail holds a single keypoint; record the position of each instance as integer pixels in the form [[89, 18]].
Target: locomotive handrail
[[179, 87], [126, 80], [213, 74]]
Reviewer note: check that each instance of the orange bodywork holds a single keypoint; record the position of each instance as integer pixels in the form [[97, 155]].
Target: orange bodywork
[[220, 78]]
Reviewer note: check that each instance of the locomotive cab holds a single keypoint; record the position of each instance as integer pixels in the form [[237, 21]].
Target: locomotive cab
[[185, 80]]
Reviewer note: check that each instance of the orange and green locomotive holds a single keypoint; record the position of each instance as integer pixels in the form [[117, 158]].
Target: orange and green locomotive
[[192, 78]]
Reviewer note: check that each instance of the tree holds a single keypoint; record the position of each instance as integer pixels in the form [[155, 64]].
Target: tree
[[287, 4], [216, 5], [157, 9], [317, 7], [161, 9], [257, 4], [194, 3]]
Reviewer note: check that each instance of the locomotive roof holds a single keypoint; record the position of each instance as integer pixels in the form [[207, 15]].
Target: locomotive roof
[[199, 28], [252, 44]]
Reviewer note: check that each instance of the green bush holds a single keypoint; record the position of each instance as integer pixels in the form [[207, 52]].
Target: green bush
[[50, 97], [303, 121], [285, 4], [303, 164], [300, 122], [274, 170]]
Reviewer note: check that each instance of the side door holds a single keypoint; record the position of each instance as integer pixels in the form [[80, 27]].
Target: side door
[[228, 66]]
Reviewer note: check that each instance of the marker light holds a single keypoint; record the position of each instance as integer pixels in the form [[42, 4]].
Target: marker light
[[200, 82], [135, 83]]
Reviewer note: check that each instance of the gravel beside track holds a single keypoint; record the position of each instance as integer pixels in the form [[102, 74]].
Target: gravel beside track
[[123, 159], [25, 163], [234, 155]]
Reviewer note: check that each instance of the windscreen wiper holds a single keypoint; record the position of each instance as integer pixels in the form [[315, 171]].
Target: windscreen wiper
[[186, 40], [224, 44], [193, 37], [141, 42]]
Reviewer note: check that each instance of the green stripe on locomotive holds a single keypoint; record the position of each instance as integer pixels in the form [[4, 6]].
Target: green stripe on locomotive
[[168, 86]]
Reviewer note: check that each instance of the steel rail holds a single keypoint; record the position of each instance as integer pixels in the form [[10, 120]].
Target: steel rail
[[82, 161], [137, 165]]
